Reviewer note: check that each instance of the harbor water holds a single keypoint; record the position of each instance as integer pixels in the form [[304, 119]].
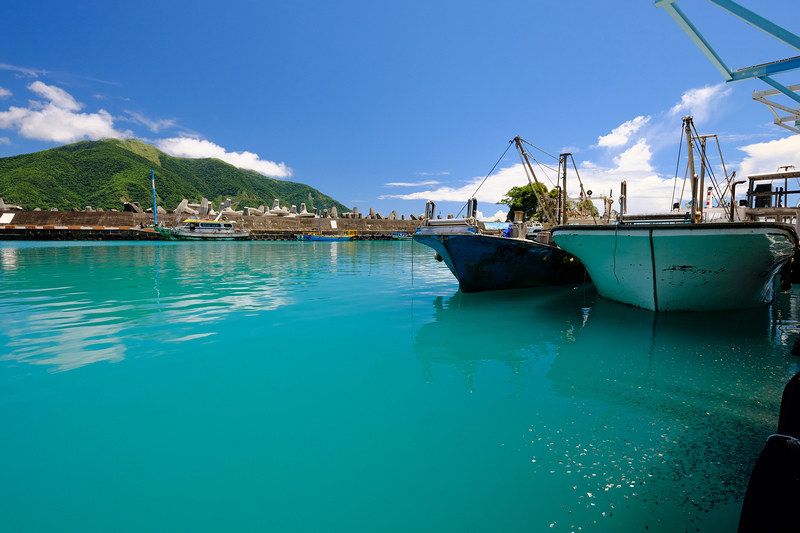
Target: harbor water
[[289, 386]]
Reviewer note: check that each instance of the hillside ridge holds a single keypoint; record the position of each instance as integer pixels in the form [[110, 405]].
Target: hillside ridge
[[98, 173]]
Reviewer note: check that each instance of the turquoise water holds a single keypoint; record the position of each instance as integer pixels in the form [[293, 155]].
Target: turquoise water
[[286, 386]]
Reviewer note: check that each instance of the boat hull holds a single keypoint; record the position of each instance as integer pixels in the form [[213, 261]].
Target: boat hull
[[487, 262], [179, 235], [682, 267], [323, 238]]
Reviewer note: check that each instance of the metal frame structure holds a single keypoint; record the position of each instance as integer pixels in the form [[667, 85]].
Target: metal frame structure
[[762, 72]]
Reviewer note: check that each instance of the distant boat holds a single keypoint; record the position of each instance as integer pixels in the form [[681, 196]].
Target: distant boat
[[401, 236], [197, 229], [689, 265], [316, 236]]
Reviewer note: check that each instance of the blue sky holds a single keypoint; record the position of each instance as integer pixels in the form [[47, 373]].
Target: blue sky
[[388, 104]]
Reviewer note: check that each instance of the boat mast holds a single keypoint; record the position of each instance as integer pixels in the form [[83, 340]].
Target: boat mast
[[687, 122], [700, 190], [529, 172], [562, 164], [153, 183]]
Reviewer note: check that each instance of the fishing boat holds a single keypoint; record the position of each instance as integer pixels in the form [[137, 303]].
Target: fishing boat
[[316, 236], [401, 236], [488, 256], [683, 262], [486, 261], [198, 229]]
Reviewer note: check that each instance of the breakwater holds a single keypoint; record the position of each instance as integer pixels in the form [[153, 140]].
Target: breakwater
[[125, 225]]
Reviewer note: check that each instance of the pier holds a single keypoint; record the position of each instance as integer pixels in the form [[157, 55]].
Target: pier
[[128, 225]]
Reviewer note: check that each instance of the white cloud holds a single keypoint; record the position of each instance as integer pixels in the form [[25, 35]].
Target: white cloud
[[410, 184], [153, 125], [491, 192], [58, 119], [635, 158], [5, 140], [701, 102], [620, 135], [498, 216], [56, 116], [22, 70], [200, 148], [647, 193], [4, 93], [58, 97], [768, 156]]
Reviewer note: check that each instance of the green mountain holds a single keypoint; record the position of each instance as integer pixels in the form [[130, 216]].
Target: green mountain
[[98, 173]]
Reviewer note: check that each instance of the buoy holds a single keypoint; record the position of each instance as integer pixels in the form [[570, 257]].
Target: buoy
[[437, 256]]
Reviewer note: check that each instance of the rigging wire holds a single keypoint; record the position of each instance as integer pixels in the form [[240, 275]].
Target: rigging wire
[[675, 182], [542, 166], [526, 165], [534, 146], [487, 177], [706, 164], [583, 192]]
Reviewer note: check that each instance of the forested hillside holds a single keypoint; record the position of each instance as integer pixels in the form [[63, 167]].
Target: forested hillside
[[98, 173]]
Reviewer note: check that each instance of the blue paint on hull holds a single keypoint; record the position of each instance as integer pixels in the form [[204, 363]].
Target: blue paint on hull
[[488, 263]]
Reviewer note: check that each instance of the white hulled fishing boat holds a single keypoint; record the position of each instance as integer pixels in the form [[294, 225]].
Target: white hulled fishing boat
[[680, 263], [198, 229]]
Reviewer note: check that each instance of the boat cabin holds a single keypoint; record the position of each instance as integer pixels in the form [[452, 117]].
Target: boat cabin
[[773, 197]]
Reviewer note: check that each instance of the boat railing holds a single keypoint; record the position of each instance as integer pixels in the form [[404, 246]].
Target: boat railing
[[650, 218], [764, 192], [450, 222], [769, 197]]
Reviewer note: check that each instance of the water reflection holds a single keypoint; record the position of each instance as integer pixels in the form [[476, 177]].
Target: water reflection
[[8, 258], [520, 327], [660, 416], [69, 306], [585, 332], [66, 305]]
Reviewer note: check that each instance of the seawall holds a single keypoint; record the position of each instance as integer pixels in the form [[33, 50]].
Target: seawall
[[83, 225]]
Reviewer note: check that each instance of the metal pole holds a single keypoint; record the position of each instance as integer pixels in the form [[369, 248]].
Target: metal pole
[[155, 211], [687, 121], [540, 196], [733, 199], [702, 175], [563, 164]]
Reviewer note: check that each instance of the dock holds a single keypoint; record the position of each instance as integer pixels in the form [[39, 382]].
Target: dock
[[131, 226]]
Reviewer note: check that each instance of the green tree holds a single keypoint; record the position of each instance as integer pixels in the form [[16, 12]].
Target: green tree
[[524, 199], [583, 207]]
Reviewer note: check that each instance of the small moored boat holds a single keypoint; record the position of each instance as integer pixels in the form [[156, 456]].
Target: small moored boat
[[197, 229], [346, 235]]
